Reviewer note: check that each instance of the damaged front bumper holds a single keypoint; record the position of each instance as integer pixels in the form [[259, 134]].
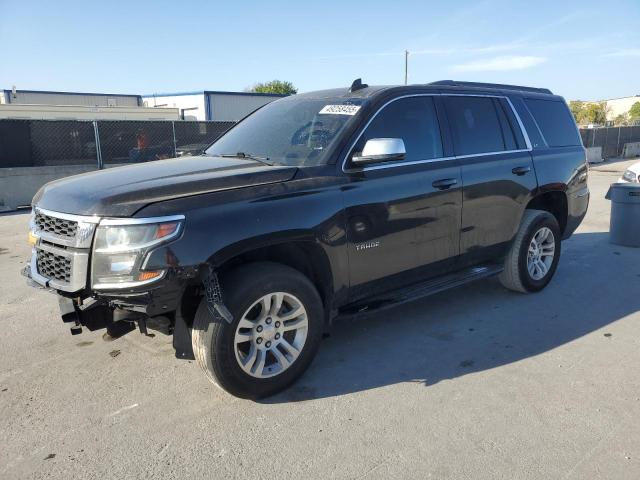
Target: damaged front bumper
[[92, 313], [62, 246], [158, 309]]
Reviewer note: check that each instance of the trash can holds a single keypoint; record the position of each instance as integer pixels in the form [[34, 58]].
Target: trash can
[[624, 227]]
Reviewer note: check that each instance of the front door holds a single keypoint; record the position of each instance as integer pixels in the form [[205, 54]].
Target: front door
[[403, 217]]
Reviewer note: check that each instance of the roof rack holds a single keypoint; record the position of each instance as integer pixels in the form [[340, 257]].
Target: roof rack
[[455, 83]]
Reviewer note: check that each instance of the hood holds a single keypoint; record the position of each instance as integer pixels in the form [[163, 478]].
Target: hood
[[121, 191]]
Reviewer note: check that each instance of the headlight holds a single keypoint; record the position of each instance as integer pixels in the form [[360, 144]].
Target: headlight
[[121, 247], [630, 176], [33, 238]]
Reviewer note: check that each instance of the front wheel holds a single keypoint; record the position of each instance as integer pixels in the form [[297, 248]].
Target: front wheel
[[533, 257], [275, 333]]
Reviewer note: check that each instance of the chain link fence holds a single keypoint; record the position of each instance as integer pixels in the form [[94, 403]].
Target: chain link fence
[[611, 139], [102, 143]]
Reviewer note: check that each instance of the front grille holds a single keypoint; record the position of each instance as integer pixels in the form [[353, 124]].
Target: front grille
[[60, 259], [57, 226], [55, 266]]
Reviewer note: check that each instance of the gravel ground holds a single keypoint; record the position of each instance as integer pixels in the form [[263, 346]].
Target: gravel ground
[[474, 383]]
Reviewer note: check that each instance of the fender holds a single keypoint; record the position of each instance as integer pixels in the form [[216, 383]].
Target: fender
[[224, 225], [557, 174]]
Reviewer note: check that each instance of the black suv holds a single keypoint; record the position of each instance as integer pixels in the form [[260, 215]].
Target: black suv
[[315, 206]]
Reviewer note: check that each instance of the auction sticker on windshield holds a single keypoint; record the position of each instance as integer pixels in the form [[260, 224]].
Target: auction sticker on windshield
[[340, 109]]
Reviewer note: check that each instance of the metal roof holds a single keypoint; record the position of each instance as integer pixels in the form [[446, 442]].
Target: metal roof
[[53, 92]]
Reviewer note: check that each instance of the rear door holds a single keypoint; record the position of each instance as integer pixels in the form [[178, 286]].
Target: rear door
[[402, 216], [497, 173]]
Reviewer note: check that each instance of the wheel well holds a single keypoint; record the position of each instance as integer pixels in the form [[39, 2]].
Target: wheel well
[[553, 202], [305, 256]]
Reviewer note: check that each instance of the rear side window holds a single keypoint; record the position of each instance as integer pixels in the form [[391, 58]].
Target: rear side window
[[475, 125], [412, 119], [513, 122], [507, 131], [555, 122]]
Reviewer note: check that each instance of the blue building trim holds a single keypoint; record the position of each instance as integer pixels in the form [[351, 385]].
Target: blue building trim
[[208, 114], [178, 94]]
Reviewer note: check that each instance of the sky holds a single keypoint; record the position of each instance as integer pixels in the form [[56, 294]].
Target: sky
[[586, 50]]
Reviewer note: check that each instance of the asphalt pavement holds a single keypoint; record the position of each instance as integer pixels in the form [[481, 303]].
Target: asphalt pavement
[[473, 383]]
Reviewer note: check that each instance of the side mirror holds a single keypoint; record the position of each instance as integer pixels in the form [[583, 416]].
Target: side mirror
[[381, 150]]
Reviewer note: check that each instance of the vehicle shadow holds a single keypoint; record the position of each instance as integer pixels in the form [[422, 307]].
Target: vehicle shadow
[[476, 327]]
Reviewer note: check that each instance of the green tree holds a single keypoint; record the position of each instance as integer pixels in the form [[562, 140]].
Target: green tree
[[634, 111], [576, 106], [595, 113], [622, 119], [275, 86]]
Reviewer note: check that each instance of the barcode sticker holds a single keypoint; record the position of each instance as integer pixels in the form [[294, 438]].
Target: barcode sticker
[[339, 110]]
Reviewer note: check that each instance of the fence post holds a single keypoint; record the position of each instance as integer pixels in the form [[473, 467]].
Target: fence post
[[618, 151], [96, 134], [175, 146]]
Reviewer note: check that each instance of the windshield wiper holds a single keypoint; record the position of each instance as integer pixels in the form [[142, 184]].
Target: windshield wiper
[[248, 156]]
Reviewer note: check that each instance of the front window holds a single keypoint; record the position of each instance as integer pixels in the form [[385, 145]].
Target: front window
[[292, 131], [412, 119]]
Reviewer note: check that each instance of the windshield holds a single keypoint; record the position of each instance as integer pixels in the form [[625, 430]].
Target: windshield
[[291, 131]]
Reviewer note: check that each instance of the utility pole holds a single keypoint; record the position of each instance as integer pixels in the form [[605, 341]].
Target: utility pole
[[406, 66]]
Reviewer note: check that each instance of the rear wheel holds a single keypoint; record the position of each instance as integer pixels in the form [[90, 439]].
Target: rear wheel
[[533, 257], [275, 333]]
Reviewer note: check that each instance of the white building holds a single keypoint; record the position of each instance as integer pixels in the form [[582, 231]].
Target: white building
[[211, 105], [45, 97], [48, 105], [80, 112], [620, 106]]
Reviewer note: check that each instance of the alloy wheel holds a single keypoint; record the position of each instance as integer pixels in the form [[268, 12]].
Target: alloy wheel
[[271, 335], [541, 253]]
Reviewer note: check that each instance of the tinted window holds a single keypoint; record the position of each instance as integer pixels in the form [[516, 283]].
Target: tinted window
[[474, 124], [295, 130], [555, 122], [413, 120], [515, 126], [527, 120], [507, 131]]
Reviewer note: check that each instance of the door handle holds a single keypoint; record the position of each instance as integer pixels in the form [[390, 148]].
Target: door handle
[[444, 183], [521, 170]]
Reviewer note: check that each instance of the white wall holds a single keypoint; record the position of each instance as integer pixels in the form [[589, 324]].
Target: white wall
[[61, 98], [180, 102], [19, 185], [77, 112], [231, 108], [620, 106]]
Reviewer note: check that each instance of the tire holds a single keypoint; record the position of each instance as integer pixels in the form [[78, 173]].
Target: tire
[[517, 273], [246, 291]]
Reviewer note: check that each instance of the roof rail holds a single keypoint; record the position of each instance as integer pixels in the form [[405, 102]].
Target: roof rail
[[455, 83]]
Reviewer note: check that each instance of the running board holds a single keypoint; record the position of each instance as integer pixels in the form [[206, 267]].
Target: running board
[[421, 290]]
